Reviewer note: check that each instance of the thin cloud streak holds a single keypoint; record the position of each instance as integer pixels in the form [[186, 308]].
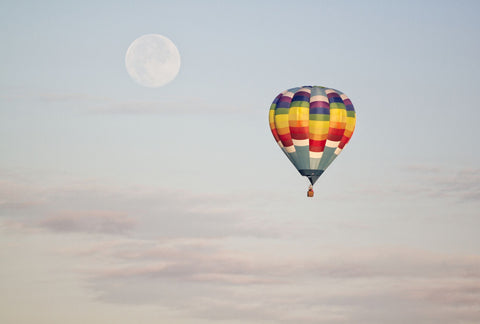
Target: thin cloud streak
[[166, 107], [341, 283], [95, 207], [426, 181], [52, 97], [343, 264], [461, 184], [20, 195], [109, 105], [90, 221]]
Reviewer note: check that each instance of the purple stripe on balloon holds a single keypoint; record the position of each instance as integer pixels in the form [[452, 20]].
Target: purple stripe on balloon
[[277, 98], [301, 96], [284, 102], [349, 108], [319, 104], [285, 99], [333, 95], [302, 93]]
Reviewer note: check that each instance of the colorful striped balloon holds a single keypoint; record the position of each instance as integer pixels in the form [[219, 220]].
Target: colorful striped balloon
[[312, 125]]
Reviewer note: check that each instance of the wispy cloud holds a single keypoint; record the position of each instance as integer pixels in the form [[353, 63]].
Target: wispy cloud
[[90, 221], [461, 184], [50, 97], [19, 195], [184, 106], [451, 293], [53, 97], [220, 258], [104, 104], [330, 287], [91, 206], [208, 257], [437, 182]]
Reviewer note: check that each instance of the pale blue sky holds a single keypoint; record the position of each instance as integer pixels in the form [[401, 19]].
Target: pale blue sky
[[125, 204]]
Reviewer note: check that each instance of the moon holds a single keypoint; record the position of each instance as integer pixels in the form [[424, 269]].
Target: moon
[[152, 60]]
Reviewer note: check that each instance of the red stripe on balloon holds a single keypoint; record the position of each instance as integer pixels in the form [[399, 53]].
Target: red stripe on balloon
[[317, 146], [335, 134], [286, 139], [299, 133], [275, 134]]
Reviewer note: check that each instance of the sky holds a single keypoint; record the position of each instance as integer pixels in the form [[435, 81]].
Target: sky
[[125, 204]]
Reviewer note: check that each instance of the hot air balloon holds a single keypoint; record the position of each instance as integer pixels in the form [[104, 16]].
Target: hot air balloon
[[312, 125]]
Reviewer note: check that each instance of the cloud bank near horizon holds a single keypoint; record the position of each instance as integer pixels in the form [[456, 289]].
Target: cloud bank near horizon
[[234, 258]]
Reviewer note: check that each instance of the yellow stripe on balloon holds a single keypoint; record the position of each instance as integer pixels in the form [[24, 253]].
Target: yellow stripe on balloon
[[281, 121], [350, 126], [319, 126], [338, 115], [271, 116], [299, 113]]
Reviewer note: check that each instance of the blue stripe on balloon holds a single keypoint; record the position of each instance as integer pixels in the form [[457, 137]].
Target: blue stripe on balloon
[[301, 98], [335, 99], [349, 108], [320, 110], [283, 104]]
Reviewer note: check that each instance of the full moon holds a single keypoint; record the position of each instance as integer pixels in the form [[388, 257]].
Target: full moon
[[152, 60]]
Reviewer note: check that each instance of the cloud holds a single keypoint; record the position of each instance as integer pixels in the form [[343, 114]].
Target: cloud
[[19, 195], [209, 279], [90, 221], [425, 181], [202, 258], [462, 184], [102, 104], [51, 97], [175, 260], [185, 106], [95, 207], [230, 258], [451, 293], [422, 168]]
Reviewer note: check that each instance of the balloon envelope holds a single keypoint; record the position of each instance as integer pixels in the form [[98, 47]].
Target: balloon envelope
[[312, 125]]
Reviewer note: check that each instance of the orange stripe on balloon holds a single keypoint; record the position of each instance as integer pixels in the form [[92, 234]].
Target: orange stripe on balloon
[[283, 130]]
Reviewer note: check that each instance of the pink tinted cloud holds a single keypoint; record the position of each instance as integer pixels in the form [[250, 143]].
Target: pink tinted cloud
[[20, 195], [436, 182], [90, 221], [334, 281]]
